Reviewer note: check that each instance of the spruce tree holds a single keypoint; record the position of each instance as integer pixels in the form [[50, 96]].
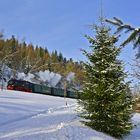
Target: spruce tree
[[105, 99]]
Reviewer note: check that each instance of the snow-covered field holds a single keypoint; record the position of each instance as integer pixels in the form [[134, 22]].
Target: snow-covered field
[[28, 116]]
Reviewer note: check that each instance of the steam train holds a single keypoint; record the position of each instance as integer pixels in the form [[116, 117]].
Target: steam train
[[26, 86]]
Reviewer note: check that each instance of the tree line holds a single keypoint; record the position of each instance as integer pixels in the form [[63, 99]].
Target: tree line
[[27, 58]]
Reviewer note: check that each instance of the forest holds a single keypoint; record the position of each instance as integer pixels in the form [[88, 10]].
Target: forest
[[27, 58]]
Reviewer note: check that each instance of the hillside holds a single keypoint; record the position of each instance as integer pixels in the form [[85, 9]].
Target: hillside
[[29, 59], [29, 116]]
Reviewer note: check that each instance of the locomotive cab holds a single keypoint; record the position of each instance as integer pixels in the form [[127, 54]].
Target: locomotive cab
[[14, 84]]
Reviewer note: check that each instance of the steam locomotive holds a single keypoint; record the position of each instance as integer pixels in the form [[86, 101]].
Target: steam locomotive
[[22, 85]]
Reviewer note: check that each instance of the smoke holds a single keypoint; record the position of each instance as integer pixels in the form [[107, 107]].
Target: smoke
[[42, 77], [20, 76], [70, 77], [49, 77], [55, 78], [29, 77]]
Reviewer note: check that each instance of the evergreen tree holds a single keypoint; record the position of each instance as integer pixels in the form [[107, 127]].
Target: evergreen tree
[[60, 57], [13, 44], [106, 102]]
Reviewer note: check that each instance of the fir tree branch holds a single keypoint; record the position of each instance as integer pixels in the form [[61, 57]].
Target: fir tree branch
[[132, 37], [113, 22], [118, 20]]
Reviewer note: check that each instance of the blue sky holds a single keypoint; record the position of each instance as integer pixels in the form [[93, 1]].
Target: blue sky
[[62, 24]]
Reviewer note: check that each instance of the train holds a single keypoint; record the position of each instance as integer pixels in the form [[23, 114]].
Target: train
[[22, 85]]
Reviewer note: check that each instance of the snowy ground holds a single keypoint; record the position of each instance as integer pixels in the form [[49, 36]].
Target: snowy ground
[[27, 116]]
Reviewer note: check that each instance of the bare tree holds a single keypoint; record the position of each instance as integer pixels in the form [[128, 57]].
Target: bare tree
[[136, 69], [3, 63]]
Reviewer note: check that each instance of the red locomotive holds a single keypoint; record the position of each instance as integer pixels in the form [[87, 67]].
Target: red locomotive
[[19, 85]]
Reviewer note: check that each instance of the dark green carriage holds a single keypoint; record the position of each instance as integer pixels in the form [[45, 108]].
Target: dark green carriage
[[58, 92], [46, 89], [71, 94], [41, 89], [36, 88]]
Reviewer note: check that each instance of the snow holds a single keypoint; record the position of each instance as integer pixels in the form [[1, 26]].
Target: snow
[[135, 134], [29, 116]]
